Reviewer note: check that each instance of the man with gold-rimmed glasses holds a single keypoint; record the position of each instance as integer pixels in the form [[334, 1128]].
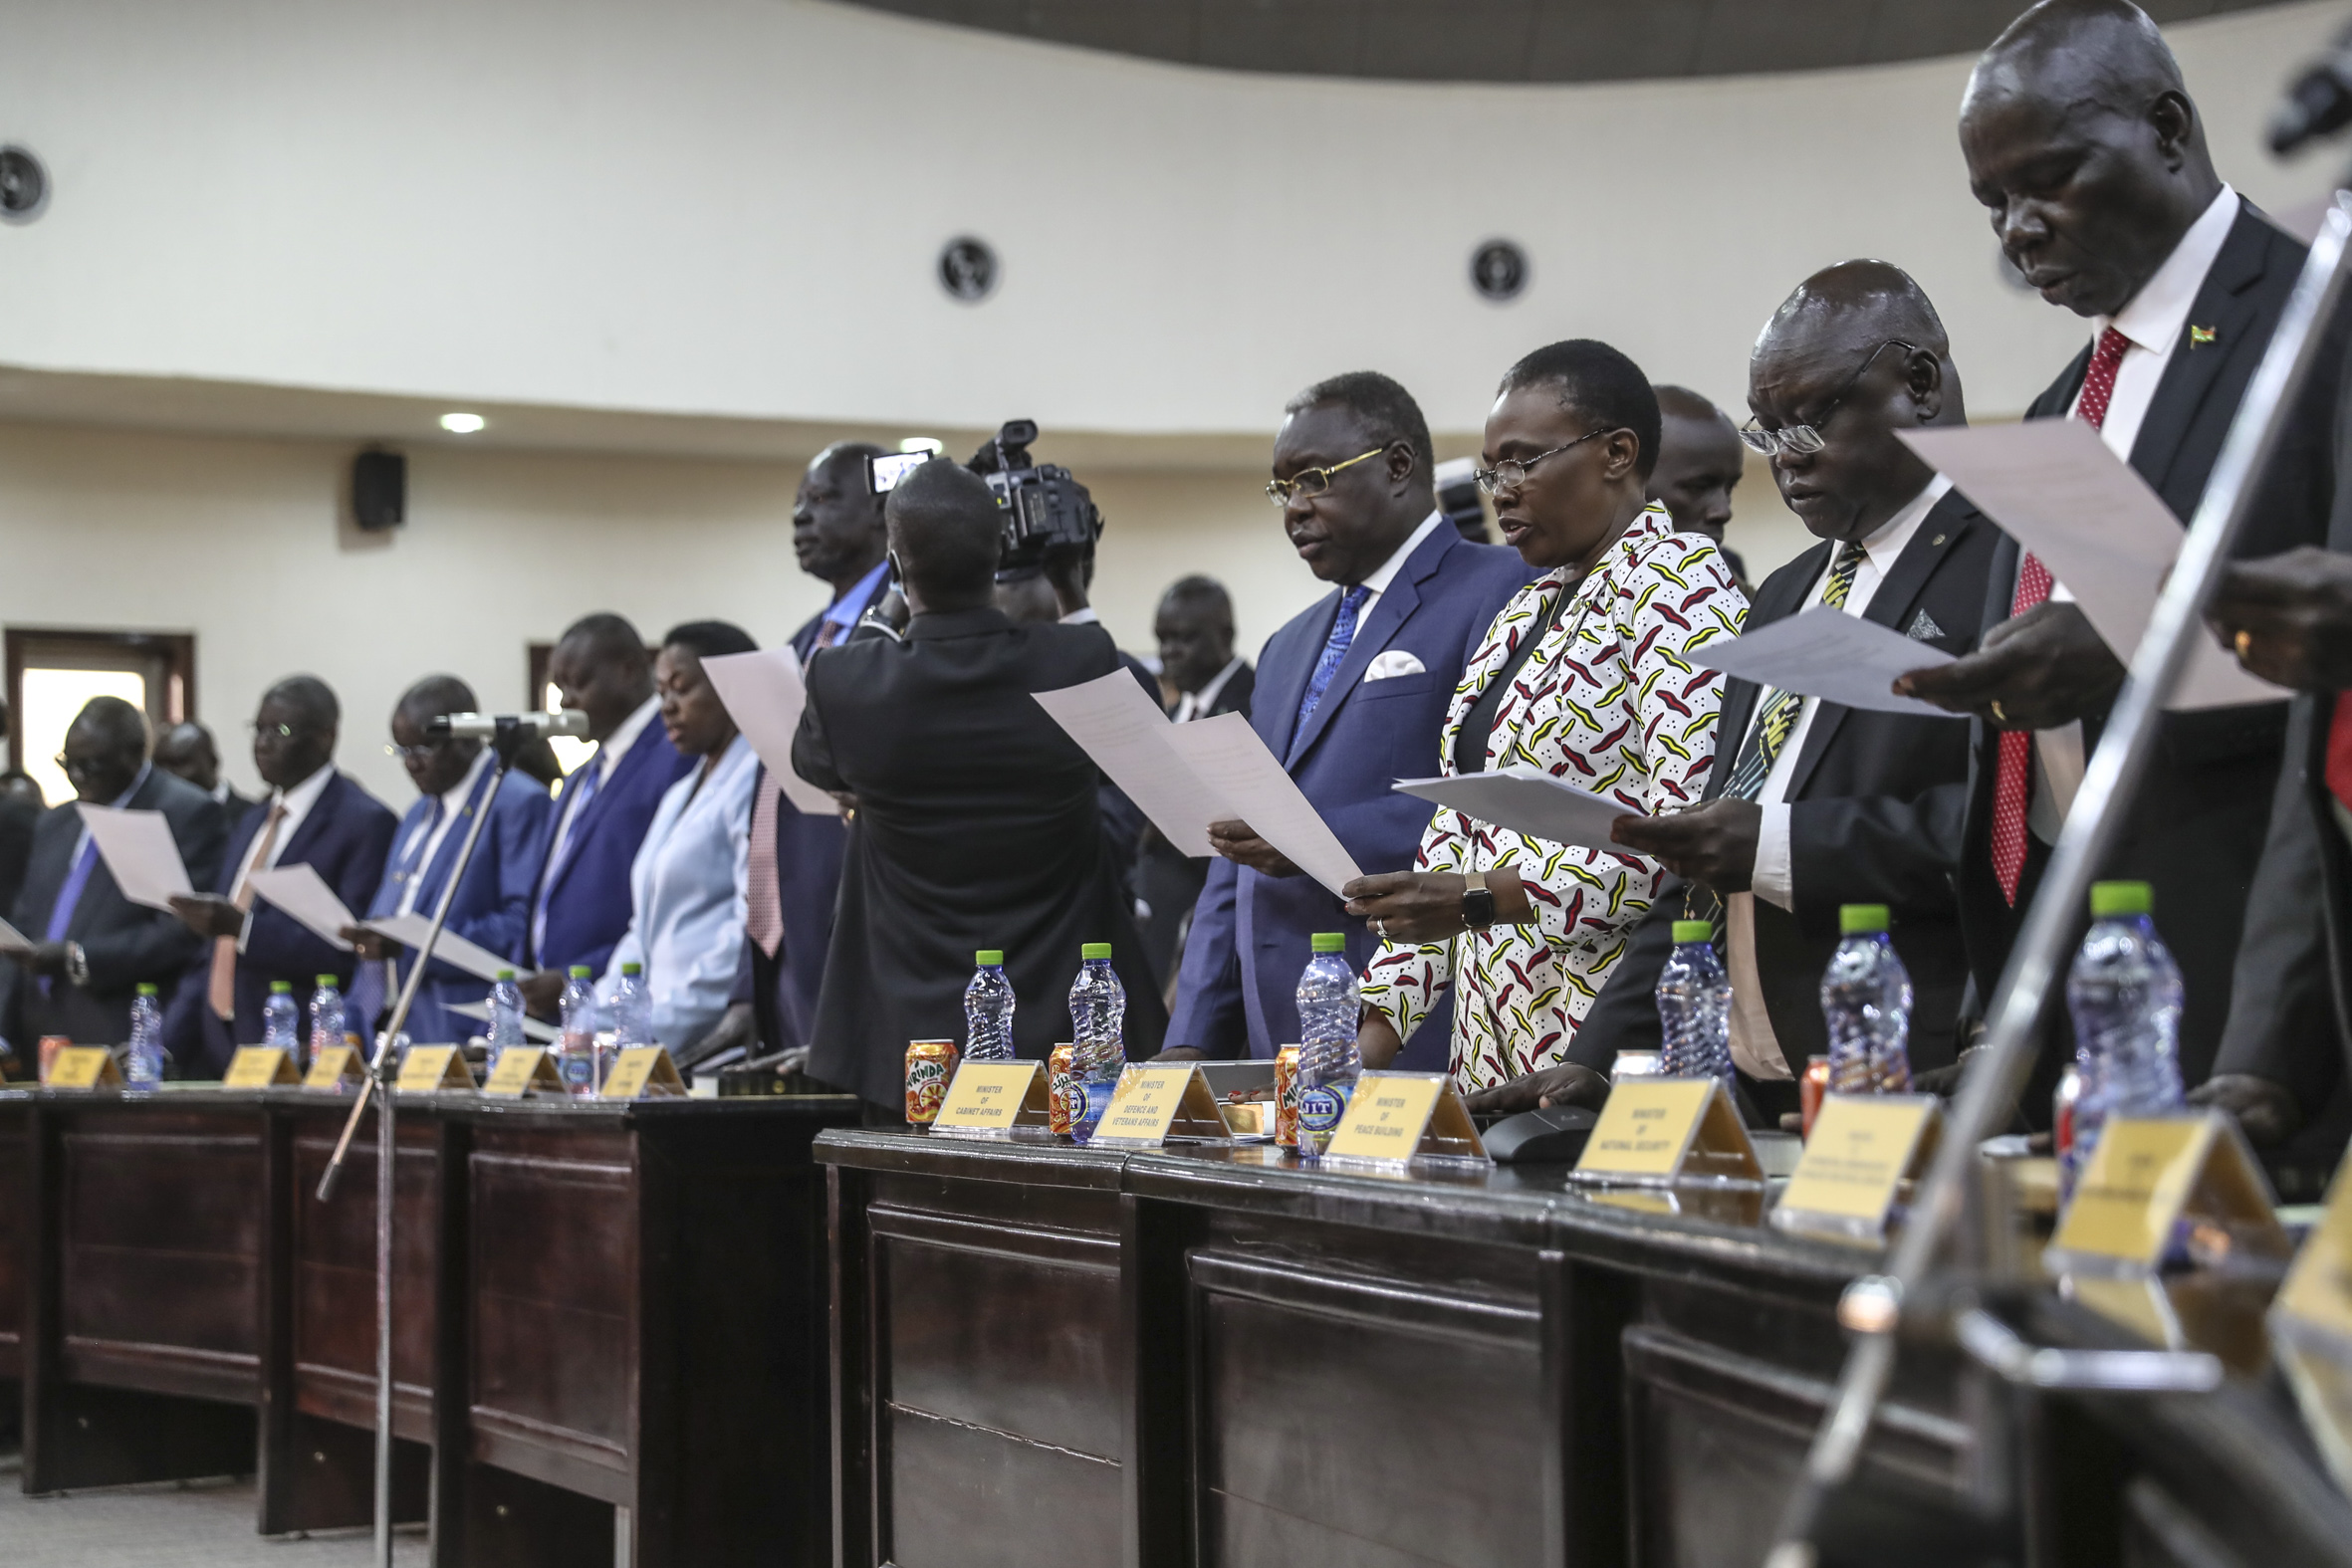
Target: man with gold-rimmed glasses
[[1352, 694]]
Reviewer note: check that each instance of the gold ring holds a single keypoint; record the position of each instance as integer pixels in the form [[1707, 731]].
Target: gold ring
[[1997, 716], [2245, 640]]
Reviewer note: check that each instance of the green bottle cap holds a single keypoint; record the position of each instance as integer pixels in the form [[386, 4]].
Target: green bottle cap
[[583, 971], [1096, 950], [631, 968], [281, 988], [1694, 931], [148, 988], [506, 974], [988, 957], [2113, 900], [326, 980], [1860, 920], [1329, 941]]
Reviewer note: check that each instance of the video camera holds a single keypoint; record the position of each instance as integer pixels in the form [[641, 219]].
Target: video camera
[[1043, 507]]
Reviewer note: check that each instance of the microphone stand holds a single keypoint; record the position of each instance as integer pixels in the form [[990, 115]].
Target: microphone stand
[[510, 738], [1871, 1310]]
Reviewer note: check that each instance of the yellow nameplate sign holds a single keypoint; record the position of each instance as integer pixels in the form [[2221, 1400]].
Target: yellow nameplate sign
[[1398, 1115], [428, 1068], [2311, 1329], [1863, 1148], [1153, 1104], [2318, 1289], [643, 1072], [521, 1070], [988, 1099], [260, 1067], [2148, 1176], [83, 1067], [333, 1068], [1657, 1131]]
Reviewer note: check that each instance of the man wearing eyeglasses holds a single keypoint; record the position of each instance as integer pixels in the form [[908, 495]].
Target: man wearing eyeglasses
[[313, 816], [1352, 694], [92, 947]]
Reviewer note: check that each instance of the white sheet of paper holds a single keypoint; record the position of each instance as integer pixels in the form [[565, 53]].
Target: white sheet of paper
[[140, 852], [2053, 486], [411, 929], [13, 940], [1527, 801], [1186, 776], [302, 893], [1828, 654], [532, 1029], [765, 693]]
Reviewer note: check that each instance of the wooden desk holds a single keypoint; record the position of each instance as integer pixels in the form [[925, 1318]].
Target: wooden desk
[[16, 1239]]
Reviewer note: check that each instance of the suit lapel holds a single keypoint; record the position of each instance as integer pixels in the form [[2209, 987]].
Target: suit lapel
[[2227, 304], [1276, 709], [436, 875], [1777, 599], [1381, 623], [313, 824]]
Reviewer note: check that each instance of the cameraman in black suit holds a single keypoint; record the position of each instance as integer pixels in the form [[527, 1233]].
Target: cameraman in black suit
[[977, 822], [92, 947]]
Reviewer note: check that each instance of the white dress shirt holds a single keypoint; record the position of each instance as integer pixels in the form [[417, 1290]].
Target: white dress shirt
[[608, 755], [1194, 705], [2153, 321], [433, 833], [1754, 1046]]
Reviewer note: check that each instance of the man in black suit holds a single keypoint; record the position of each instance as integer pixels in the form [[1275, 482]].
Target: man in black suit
[[1700, 463], [18, 815], [1814, 804], [92, 948], [2081, 139], [187, 750], [977, 821], [1194, 626]]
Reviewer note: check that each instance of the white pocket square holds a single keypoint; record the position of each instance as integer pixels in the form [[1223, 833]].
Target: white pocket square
[[1396, 661]]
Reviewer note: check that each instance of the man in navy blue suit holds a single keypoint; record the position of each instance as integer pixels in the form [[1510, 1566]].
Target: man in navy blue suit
[[579, 900], [1352, 694], [313, 816], [492, 908]]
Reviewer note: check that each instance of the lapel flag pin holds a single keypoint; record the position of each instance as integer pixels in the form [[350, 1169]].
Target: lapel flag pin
[[2199, 335]]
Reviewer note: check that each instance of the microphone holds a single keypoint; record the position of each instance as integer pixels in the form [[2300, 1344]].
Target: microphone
[[489, 725], [2319, 103]]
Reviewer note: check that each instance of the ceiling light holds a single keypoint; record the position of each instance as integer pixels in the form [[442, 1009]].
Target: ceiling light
[[462, 424], [922, 444]]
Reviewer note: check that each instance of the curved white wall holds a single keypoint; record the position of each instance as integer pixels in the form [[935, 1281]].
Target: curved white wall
[[731, 207]]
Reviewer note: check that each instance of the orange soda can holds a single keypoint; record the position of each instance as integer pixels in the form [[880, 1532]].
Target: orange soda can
[[1812, 1088], [929, 1064], [51, 1044], [1285, 1097], [1058, 1079]]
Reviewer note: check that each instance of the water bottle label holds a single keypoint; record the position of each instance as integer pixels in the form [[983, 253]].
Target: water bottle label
[[1321, 1109]]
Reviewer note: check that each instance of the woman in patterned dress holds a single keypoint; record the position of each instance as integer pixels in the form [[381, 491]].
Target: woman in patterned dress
[[1587, 674]]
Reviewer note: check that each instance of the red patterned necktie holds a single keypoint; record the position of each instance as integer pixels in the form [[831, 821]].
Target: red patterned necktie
[[2012, 781]]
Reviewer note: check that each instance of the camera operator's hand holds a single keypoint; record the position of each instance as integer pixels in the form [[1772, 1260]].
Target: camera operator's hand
[[1066, 568], [1235, 841]]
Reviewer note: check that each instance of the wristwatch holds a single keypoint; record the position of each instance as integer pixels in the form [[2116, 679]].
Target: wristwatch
[[1478, 904], [76, 964]]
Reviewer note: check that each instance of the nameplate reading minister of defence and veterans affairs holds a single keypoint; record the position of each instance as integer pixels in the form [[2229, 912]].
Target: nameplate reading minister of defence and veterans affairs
[[1153, 1104], [1655, 1132]]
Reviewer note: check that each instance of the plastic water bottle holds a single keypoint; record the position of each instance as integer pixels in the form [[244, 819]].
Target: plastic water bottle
[[987, 1008], [326, 1019], [281, 1020], [1695, 1005], [1097, 1019], [1866, 1001], [1328, 1063], [632, 1010], [506, 1016], [143, 1067], [575, 1052], [2125, 998]]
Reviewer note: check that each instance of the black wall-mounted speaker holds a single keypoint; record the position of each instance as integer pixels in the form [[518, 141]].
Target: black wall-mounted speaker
[[379, 491]]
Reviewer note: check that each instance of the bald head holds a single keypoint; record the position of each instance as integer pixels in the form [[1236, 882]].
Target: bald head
[[2081, 140], [947, 535], [1855, 355]]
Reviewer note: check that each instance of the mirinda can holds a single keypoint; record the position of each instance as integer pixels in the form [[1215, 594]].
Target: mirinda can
[[1285, 1097], [1812, 1088], [929, 1064], [1058, 1082]]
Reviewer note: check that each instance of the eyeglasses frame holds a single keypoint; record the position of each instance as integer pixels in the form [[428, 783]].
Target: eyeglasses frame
[[1770, 443], [1279, 491], [1491, 481]]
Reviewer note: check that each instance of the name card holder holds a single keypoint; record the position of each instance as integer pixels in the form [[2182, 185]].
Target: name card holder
[[1396, 1118], [523, 1070], [995, 1099], [1152, 1105], [336, 1069], [2165, 1185], [1663, 1132], [643, 1072], [2311, 1330], [83, 1067], [1864, 1149], [434, 1069], [260, 1067]]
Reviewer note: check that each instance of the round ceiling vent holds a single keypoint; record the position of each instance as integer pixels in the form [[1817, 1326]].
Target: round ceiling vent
[[1498, 270], [24, 185], [967, 269]]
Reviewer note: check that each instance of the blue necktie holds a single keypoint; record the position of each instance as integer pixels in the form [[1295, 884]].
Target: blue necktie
[[61, 914], [1335, 646], [558, 857], [368, 983]]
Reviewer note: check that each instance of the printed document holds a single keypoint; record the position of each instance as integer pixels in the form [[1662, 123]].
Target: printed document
[[765, 693], [140, 852], [1828, 654]]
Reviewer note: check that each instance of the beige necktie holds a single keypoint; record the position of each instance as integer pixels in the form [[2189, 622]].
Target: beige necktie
[[224, 949], [764, 918]]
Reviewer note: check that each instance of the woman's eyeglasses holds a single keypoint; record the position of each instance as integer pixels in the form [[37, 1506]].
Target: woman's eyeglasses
[[1511, 472], [1313, 482]]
